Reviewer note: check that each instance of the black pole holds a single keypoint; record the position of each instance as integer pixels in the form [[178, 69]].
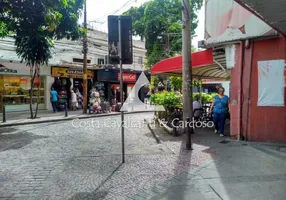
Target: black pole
[[66, 109], [4, 113], [121, 91]]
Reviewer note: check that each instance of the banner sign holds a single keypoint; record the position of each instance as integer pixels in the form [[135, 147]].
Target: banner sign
[[127, 77], [271, 83], [70, 73], [126, 39]]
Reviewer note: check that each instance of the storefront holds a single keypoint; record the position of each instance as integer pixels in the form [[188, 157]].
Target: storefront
[[109, 79], [15, 86], [66, 78]]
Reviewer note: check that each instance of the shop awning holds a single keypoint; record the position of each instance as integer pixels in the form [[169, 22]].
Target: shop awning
[[273, 12], [205, 66]]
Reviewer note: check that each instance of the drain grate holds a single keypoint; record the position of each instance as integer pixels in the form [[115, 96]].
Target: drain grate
[[224, 142]]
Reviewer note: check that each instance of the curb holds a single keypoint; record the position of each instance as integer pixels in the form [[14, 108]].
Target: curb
[[166, 128], [157, 138], [66, 119]]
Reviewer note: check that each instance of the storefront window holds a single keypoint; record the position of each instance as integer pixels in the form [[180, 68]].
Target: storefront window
[[16, 90]]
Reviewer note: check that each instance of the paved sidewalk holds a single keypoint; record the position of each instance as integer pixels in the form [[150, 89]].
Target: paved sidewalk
[[55, 161], [240, 171]]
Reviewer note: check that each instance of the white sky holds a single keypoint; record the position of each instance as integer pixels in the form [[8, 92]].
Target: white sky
[[97, 13]]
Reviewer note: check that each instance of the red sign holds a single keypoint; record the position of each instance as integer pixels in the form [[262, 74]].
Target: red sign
[[127, 77]]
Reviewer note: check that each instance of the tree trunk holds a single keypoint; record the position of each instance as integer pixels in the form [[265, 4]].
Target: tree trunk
[[166, 83], [32, 75], [38, 95], [187, 71]]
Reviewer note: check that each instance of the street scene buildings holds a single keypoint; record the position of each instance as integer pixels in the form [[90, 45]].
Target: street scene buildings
[[65, 65], [188, 105]]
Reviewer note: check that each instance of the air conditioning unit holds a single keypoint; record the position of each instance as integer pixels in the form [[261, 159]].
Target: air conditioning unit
[[201, 44], [230, 56]]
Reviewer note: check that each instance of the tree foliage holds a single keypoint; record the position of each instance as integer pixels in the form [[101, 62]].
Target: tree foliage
[[35, 24], [177, 83], [150, 22]]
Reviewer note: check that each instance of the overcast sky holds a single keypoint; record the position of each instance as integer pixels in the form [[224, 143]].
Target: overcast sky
[[97, 13]]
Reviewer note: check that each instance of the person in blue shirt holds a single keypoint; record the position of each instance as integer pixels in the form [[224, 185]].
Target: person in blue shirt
[[220, 109], [54, 99]]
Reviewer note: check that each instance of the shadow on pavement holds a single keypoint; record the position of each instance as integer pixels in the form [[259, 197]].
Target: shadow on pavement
[[96, 194], [89, 195], [7, 130], [17, 140]]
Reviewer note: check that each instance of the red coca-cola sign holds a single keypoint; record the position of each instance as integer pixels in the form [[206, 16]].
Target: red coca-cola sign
[[127, 77]]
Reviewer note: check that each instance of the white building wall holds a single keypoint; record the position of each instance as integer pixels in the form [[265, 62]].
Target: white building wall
[[66, 50], [224, 84], [49, 82]]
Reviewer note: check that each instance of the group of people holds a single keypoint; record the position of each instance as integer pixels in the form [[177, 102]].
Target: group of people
[[76, 99]]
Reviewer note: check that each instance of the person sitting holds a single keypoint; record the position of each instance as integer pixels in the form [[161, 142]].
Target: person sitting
[[197, 109]]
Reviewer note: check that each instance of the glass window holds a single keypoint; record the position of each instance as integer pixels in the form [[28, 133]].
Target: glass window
[[16, 90]]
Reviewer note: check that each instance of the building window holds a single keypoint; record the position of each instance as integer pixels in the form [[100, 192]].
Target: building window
[[100, 61], [80, 60], [140, 60]]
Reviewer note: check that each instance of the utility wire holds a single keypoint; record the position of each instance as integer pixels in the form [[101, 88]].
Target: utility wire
[[114, 12]]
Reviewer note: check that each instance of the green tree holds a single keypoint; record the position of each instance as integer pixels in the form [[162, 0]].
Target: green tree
[[150, 22], [176, 82], [35, 24]]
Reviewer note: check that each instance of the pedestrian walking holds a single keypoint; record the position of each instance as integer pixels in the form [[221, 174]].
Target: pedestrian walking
[[73, 100], [220, 109], [54, 99]]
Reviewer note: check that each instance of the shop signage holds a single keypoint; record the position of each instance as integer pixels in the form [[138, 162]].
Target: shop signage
[[8, 71], [70, 73], [127, 77]]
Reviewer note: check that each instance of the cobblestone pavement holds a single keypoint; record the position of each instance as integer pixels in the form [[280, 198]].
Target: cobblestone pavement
[[60, 161]]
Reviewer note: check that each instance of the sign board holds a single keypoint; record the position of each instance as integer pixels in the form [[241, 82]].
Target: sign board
[[227, 21], [127, 77], [126, 39], [70, 73], [21, 69], [271, 83], [230, 56]]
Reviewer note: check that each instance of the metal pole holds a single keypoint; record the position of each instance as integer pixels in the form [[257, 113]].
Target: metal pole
[[166, 52], [121, 89], [85, 65], [201, 91], [187, 70], [4, 113], [66, 109]]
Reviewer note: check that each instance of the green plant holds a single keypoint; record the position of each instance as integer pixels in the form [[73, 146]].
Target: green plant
[[206, 98], [167, 99]]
